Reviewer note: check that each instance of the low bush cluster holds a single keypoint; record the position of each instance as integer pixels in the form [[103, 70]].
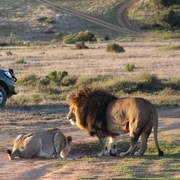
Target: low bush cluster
[[113, 47], [56, 85], [129, 67], [168, 13], [81, 45], [80, 36]]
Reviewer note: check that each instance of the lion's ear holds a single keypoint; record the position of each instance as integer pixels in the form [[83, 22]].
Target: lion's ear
[[69, 138]]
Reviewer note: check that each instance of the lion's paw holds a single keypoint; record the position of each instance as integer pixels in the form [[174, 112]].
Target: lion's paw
[[100, 154], [137, 153], [123, 154], [103, 153]]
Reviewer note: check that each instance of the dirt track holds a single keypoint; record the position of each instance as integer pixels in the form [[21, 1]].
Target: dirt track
[[124, 24]]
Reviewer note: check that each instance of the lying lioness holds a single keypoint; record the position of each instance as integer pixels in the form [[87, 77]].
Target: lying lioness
[[44, 144]]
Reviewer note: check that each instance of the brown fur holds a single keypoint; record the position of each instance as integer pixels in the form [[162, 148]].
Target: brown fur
[[105, 115]]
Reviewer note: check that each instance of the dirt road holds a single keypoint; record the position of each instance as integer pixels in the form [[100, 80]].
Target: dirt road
[[124, 24]]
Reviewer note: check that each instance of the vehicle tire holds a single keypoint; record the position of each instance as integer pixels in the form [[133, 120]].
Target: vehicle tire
[[3, 97]]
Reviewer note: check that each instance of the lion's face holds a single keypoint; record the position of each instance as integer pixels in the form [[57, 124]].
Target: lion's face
[[71, 115], [74, 116]]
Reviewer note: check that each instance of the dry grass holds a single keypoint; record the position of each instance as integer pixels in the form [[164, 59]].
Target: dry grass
[[95, 60], [96, 8]]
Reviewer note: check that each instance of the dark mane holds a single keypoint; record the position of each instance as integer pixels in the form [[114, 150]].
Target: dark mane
[[93, 103]]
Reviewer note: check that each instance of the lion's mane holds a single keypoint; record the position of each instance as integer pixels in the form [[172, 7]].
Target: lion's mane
[[92, 104]]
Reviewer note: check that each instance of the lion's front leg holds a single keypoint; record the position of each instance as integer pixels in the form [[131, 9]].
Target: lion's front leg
[[103, 140], [113, 145]]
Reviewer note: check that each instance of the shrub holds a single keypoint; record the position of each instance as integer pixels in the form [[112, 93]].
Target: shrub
[[69, 81], [81, 45], [57, 77], [165, 2], [19, 60], [129, 67], [9, 53], [54, 41], [80, 36], [41, 19], [168, 19], [146, 77], [114, 48]]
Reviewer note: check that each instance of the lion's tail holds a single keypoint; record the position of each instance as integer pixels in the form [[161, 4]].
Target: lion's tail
[[155, 119]]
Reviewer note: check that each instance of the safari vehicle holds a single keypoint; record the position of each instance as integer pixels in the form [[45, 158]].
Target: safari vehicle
[[7, 85]]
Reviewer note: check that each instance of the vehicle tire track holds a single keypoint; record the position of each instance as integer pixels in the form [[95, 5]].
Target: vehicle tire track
[[125, 26], [122, 16]]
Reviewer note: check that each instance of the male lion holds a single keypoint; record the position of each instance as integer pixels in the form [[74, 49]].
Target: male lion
[[107, 116], [43, 144]]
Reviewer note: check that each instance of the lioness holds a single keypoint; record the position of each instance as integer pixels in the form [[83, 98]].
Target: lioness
[[107, 116], [43, 144]]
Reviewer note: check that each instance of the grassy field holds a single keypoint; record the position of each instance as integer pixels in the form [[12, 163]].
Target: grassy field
[[154, 76]]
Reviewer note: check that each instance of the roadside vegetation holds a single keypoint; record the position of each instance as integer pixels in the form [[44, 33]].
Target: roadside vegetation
[[156, 14], [56, 85], [79, 36]]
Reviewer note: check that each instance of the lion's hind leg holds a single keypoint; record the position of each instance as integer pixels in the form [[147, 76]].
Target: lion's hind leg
[[134, 136], [144, 137], [131, 149]]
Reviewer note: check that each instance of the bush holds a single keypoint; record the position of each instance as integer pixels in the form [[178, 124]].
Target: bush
[[69, 81], [165, 2], [19, 60], [81, 45], [80, 36], [57, 77], [129, 67], [114, 48], [168, 19], [41, 19]]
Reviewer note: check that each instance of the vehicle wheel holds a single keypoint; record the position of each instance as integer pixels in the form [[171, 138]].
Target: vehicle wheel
[[3, 97]]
